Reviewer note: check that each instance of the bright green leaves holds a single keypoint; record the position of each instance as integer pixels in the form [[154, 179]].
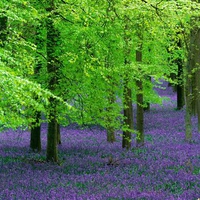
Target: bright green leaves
[[18, 100], [94, 38]]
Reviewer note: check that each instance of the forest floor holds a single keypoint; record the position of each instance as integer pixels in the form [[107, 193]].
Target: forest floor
[[165, 168]]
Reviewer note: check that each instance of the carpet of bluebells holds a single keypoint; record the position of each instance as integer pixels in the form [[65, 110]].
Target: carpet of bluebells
[[166, 168]]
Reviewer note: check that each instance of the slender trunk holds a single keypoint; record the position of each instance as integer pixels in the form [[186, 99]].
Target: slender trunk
[[140, 114], [128, 115], [188, 96], [58, 134], [180, 86], [52, 67], [110, 119], [194, 89], [110, 124], [128, 106], [148, 106], [52, 150], [198, 106], [188, 102], [140, 111], [35, 143], [3, 30], [197, 64], [110, 129]]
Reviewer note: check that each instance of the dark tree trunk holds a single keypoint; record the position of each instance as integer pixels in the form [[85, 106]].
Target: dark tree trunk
[[58, 134], [140, 114], [148, 106], [127, 93], [35, 143], [140, 111], [52, 67], [180, 86], [3, 30], [52, 140]]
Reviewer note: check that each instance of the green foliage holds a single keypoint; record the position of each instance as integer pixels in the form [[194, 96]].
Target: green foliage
[[17, 100], [91, 52]]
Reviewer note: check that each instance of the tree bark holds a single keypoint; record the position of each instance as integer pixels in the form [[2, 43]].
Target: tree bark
[[188, 102], [3, 30], [197, 65], [110, 128], [52, 67], [58, 134], [52, 140], [180, 85], [128, 115], [188, 98], [127, 93], [140, 114], [140, 111], [35, 143], [148, 106]]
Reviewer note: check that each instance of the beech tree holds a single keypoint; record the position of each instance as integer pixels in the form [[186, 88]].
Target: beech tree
[[92, 63]]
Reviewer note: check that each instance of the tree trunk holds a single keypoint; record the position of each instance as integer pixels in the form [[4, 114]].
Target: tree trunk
[[194, 87], [52, 140], [35, 143], [128, 115], [180, 85], [188, 102], [140, 114], [127, 93], [140, 111], [110, 127], [194, 62], [52, 67], [3, 30], [197, 65], [58, 134], [148, 106]]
